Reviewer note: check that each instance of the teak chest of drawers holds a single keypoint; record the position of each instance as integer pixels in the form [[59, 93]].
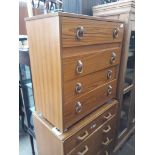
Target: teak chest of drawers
[[93, 135], [74, 63]]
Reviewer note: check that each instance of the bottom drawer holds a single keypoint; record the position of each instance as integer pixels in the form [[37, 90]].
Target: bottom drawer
[[101, 138]]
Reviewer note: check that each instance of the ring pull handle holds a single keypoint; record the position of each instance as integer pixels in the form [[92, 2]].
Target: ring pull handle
[[78, 107], [79, 32], [83, 137], [106, 153], [109, 91], [115, 33], [84, 152], [108, 116], [79, 67], [106, 142], [109, 74], [78, 88], [107, 130], [113, 57]]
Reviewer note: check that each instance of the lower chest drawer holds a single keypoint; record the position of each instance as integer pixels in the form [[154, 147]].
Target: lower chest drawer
[[101, 139]]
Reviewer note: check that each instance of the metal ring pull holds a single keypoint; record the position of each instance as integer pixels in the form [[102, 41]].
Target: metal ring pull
[[107, 130], [115, 32], [78, 107], [109, 115], [79, 67], [109, 74], [113, 57], [79, 32], [107, 141], [83, 137], [78, 88], [84, 152], [109, 91]]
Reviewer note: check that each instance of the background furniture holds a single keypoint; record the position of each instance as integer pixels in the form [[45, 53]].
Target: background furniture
[[26, 101], [125, 11]]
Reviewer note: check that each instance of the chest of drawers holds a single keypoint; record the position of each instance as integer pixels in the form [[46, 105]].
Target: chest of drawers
[[97, 129], [74, 63]]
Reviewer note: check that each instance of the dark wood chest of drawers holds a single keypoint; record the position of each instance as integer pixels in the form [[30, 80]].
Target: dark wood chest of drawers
[[74, 63], [91, 136]]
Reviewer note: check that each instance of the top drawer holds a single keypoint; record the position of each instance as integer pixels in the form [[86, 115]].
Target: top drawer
[[77, 32]]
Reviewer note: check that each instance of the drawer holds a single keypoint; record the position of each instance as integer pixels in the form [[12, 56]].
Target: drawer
[[100, 139], [79, 107], [83, 64], [81, 135], [79, 86], [78, 32]]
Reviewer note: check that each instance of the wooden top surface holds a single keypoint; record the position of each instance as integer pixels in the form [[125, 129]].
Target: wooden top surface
[[66, 14], [78, 126]]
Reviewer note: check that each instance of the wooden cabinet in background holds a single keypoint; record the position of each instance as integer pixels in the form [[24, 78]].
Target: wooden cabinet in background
[[66, 52]]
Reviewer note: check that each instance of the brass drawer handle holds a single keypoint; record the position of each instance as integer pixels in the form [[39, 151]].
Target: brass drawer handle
[[109, 74], [106, 142], [113, 57], [83, 137], [78, 107], [109, 115], [115, 32], [84, 152], [106, 153], [109, 91], [79, 67], [107, 130], [78, 88], [79, 32]]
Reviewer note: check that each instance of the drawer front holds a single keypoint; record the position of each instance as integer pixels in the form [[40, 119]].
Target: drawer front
[[80, 65], [80, 107], [79, 86], [77, 32], [81, 135], [100, 139]]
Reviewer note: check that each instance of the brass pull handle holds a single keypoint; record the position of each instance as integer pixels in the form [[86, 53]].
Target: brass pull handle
[[83, 137], [107, 130], [109, 91], [113, 57], [115, 32], [78, 107], [84, 152], [108, 116], [79, 67], [106, 153], [109, 74], [106, 142], [78, 88], [79, 32]]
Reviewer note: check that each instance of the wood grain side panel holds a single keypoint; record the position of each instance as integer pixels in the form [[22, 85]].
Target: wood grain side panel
[[95, 32], [92, 62], [90, 101], [88, 82], [47, 142], [45, 61]]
